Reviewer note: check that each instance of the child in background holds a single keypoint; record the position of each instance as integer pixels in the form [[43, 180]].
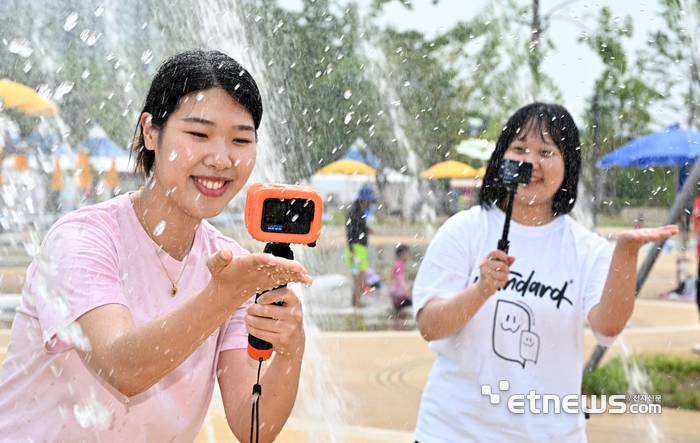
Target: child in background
[[399, 289]]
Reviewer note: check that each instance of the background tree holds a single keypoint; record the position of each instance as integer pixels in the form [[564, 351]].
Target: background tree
[[618, 112]]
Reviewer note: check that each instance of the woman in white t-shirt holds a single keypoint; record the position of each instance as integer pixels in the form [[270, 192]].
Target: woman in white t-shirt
[[508, 329], [135, 307]]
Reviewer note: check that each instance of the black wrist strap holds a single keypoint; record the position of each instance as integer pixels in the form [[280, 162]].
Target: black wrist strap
[[255, 408]]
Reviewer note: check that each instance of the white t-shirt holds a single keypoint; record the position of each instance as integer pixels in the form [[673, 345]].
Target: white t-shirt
[[529, 333]]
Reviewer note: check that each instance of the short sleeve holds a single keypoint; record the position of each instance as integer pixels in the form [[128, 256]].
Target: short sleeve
[[447, 264], [77, 270], [594, 287], [236, 335]]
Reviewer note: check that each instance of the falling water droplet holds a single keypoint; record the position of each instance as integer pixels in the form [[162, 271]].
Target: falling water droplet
[[147, 57], [90, 37], [347, 94], [91, 414], [172, 156], [200, 96], [237, 162], [21, 47], [27, 66], [396, 103], [348, 117], [126, 109], [85, 74], [63, 89], [407, 83], [258, 18], [99, 10], [159, 229], [280, 90], [71, 21], [617, 19]]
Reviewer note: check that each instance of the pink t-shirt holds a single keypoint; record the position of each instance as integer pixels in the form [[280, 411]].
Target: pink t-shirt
[[399, 281], [95, 256]]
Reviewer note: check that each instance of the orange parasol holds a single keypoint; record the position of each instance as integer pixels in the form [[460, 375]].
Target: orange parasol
[[112, 181], [83, 170], [57, 179]]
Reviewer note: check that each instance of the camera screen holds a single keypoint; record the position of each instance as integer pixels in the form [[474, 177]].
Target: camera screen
[[515, 171], [275, 212]]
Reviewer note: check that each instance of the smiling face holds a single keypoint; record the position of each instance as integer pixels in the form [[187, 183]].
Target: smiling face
[[204, 154], [533, 202]]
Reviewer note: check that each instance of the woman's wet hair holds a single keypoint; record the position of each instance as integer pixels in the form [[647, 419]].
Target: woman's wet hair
[[182, 74], [554, 120]]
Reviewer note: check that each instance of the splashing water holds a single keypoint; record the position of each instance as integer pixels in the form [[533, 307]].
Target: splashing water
[[92, 414], [159, 229], [639, 383], [71, 21]]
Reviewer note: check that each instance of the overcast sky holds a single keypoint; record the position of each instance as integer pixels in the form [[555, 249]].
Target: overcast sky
[[573, 66]]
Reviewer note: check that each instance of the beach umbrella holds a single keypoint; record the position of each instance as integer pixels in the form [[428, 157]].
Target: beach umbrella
[[112, 181], [672, 146], [348, 167], [57, 178], [83, 170], [25, 99], [449, 169]]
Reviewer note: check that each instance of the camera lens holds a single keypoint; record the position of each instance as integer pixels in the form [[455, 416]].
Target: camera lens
[[302, 210]]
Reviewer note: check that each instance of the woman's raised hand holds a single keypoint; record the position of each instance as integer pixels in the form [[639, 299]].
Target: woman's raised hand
[[494, 272], [237, 278], [634, 239]]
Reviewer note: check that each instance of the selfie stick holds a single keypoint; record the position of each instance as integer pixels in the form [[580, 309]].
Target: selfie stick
[[259, 349], [503, 243]]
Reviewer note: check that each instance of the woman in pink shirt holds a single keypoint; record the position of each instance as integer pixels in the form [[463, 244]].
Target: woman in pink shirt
[[136, 306]]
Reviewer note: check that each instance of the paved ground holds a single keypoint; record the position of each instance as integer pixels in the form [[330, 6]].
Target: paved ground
[[380, 376]]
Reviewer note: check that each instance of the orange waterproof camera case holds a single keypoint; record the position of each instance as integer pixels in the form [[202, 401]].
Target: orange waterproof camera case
[[283, 213]]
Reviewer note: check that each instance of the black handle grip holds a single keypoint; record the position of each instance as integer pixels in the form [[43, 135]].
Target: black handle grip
[[278, 250]]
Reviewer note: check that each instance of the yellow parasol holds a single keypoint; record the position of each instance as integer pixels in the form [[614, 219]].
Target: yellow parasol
[[25, 99], [21, 162], [449, 169], [57, 179], [112, 181], [348, 167], [83, 170]]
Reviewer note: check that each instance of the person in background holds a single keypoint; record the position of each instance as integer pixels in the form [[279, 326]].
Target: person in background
[[357, 232], [400, 290]]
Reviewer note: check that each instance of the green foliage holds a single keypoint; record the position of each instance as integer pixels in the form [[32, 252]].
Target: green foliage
[[106, 76], [670, 61], [618, 112], [675, 378]]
